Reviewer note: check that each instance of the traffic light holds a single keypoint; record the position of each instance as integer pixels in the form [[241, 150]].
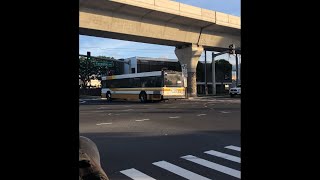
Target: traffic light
[[232, 49], [88, 55]]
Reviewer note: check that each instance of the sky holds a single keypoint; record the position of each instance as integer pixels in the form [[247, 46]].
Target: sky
[[125, 49]]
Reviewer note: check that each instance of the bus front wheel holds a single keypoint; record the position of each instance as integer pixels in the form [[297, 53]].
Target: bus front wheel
[[143, 97]]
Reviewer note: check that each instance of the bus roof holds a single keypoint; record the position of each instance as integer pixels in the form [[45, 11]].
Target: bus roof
[[144, 74], [123, 76]]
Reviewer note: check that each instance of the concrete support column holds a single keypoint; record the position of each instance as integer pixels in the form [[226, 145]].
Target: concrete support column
[[190, 55]]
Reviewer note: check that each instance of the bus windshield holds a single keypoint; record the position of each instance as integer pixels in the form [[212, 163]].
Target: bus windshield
[[173, 79]]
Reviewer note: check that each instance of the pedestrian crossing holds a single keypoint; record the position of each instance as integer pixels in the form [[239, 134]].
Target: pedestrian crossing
[[223, 155], [179, 171], [212, 165], [196, 161], [233, 148], [135, 174]]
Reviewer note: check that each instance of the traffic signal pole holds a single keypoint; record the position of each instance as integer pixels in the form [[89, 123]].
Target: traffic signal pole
[[214, 90], [231, 50], [87, 63]]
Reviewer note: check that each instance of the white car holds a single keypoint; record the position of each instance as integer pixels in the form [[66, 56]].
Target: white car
[[235, 91]]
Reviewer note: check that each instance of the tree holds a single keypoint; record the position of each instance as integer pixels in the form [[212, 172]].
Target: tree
[[102, 70], [94, 68], [223, 71], [200, 71], [87, 70]]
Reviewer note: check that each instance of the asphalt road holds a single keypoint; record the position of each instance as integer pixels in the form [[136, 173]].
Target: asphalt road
[[165, 140]]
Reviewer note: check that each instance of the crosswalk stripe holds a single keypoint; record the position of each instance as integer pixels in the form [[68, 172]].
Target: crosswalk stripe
[[234, 148], [179, 171], [211, 165], [223, 155], [136, 175]]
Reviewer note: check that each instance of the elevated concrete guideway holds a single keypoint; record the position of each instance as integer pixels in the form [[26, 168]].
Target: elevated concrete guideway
[[161, 22], [190, 29]]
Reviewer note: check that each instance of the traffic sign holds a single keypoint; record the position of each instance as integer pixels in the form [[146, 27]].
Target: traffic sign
[[184, 70], [104, 63]]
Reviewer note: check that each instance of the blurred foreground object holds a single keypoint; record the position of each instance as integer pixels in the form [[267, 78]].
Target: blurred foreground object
[[89, 161]]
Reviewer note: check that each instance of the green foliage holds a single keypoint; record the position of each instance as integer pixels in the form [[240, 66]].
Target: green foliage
[[223, 70], [87, 70], [200, 71], [94, 68]]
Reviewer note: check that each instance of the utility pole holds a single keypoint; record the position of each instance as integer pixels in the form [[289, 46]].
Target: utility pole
[[87, 63], [214, 92], [205, 72], [237, 71]]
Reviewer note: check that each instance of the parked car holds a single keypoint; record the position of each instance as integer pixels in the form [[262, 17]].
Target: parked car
[[235, 91]]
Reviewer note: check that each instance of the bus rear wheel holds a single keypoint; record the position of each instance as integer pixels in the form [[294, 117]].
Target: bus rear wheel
[[143, 97], [108, 96]]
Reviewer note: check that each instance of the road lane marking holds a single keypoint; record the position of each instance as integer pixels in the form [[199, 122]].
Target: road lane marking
[[142, 120], [224, 112], [233, 148], [201, 114], [212, 165], [223, 155], [127, 110], [179, 171], [103, 124], [173, 117], [96, 111], [136, 175]]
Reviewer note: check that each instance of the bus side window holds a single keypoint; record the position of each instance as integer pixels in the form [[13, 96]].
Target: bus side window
[[150, 82], [131, 83], [143, 82], [158, 82], [124, 83], [104, 84], [113, 83], [137, 82]]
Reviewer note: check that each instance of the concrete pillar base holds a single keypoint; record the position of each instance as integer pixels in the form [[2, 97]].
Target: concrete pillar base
[[192, 88], [189, 56]]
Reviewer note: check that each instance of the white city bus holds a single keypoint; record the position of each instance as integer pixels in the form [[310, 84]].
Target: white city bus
[[156, 85]]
